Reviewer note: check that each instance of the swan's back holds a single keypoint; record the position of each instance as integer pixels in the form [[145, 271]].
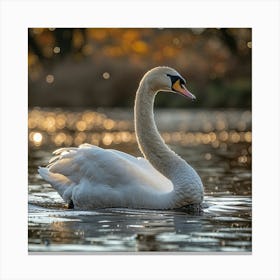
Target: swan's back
[[89, 175]]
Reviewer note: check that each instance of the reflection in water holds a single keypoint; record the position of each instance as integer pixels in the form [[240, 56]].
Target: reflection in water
[[124, 230], [222, 156]]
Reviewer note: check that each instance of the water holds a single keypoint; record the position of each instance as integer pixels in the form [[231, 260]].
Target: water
[[216, 143]]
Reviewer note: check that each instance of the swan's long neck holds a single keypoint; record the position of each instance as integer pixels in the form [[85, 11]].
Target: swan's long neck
[[188, 188], [149, 139]]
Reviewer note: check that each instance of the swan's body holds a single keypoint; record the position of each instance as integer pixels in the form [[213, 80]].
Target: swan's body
[[91, 177]]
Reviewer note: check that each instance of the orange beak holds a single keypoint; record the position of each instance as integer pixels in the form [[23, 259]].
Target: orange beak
[[178, 87]]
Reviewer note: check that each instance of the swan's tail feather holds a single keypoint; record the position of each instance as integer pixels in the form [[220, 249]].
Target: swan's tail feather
[[58, 181]]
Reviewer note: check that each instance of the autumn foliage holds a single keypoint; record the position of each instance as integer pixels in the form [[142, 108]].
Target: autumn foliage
[[102, 66]]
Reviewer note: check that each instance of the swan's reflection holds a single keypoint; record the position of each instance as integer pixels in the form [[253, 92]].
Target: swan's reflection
[[118, 229], [224, 226]]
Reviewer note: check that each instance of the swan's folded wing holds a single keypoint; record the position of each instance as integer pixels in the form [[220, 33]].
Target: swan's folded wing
[[76, 163], [158, 180], [140, 169], [107, 167]]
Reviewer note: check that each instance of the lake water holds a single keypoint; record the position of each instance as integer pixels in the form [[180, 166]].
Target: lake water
[[217, 143]]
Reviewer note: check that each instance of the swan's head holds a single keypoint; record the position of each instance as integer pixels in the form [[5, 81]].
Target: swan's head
[[167, 79]]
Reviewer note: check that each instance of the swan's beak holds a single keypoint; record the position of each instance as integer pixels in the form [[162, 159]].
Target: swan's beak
[[180, 88]]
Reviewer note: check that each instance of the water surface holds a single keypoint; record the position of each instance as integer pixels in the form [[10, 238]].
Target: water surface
[[216, 143]]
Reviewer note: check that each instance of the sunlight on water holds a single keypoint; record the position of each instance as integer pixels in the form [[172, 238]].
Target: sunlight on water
[[67, 128], [216, 143]]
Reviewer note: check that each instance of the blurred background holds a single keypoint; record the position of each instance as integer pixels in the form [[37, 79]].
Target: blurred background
[[102, 67], [82, 84]]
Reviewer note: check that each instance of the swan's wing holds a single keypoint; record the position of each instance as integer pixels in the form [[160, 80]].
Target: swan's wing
[[101, 167], [145, 172]]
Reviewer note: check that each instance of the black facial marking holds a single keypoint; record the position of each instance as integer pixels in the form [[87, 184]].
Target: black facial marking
[[175, 78], [70, 204]]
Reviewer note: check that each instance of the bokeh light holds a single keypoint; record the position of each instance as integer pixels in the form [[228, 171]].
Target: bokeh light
[[62, 128], [50, 79], [215, 61]]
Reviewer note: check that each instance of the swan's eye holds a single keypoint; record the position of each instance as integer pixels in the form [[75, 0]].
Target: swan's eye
[[175, 79], [182, 82]]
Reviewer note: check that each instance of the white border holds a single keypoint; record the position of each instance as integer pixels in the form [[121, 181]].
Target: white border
[[262, 16]]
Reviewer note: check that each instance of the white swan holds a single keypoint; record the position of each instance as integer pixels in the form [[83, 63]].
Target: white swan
[[90, 177]]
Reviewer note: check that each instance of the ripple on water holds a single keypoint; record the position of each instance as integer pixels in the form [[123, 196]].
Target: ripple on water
[[225, 225]]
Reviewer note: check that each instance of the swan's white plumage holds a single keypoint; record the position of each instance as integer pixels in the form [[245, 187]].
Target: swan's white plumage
[[91, 177], [102, 172]]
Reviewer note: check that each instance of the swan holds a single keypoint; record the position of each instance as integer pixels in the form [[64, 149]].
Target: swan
[[89, 177]]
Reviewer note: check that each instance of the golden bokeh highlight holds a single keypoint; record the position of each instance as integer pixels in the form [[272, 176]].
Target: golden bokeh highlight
[[36, 138], [56, 50], [61, 128], [106, 75], [50, 79]]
